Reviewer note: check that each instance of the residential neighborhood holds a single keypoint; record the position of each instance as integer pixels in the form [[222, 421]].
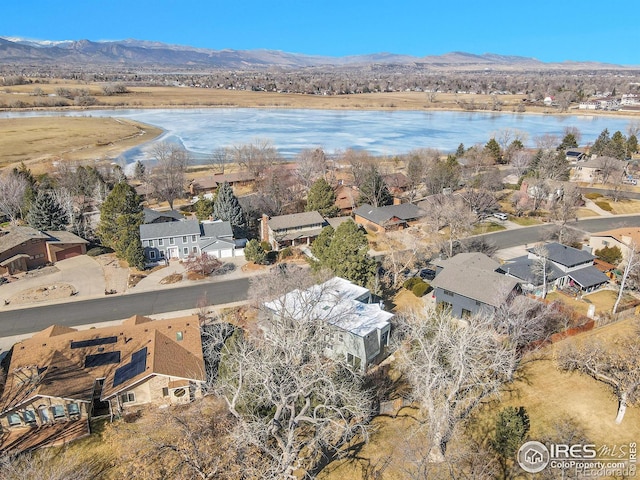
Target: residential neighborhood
[[342, 292]]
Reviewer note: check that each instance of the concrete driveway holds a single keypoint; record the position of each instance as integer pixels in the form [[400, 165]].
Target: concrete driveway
[[82, 272]]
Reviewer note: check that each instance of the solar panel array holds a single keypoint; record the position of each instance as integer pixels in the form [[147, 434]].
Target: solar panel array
[[94, 342], [136, 366], [100, 359]]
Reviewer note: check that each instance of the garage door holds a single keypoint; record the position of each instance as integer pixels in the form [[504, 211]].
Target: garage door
[[69, 252]]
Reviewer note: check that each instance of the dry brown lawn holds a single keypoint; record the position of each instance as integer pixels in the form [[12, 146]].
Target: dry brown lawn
[[585, 212], [42, 140], [625, 206]]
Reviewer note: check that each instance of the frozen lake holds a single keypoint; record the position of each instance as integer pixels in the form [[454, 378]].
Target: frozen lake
[[202, 131]]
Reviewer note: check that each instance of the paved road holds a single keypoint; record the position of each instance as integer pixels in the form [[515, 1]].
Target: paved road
[[530, 235], [27, 320]]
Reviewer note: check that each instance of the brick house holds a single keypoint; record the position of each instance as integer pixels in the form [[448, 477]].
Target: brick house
[[390, 217], [61, 377], [24, 248]]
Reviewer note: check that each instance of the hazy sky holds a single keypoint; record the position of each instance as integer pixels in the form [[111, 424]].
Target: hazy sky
[[550, 31]]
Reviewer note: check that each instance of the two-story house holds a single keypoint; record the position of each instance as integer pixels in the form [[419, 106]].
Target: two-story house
[[167, 240], [468, 283], [61, 377], [359, 329], [297, 229]]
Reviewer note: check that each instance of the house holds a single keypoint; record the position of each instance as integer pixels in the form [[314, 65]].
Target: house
[[61, 377], [167, 240], [397, 183], [469, 283], [390, 217], [599, 170], [575, 155], [155, 216], [292, 230], [624, 238], [566, 268], [24, 248], [210, 184], [359, 329], [347, 198]]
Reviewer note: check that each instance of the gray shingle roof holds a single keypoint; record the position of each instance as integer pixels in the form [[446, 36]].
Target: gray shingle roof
[[296, 220], [521, 268], [382, 215], [152, 215], [217, 229], [468, 259], [588, 277], [486, 286], [565, 255], [169, 229]]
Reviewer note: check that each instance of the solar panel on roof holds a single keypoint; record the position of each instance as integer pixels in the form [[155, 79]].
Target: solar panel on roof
[[93, 342], [136, 366], [101, 359]]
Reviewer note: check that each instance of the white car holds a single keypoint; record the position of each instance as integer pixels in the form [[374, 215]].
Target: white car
[[500, 215]]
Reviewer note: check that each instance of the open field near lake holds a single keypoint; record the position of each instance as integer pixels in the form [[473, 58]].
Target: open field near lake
[[39, 140], [31, 95]]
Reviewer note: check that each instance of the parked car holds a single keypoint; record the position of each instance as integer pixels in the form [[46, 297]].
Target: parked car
[[500, 215], [630, 181], [427, 274]]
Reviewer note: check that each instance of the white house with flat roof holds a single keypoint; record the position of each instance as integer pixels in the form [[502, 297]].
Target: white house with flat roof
[[359, 329]]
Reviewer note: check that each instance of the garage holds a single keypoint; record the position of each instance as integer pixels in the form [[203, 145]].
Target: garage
[[69, 253]]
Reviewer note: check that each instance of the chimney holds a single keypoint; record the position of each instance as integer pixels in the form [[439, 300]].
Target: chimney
[[264, 228]]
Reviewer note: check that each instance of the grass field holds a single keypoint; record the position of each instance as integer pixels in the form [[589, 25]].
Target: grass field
[[37, 141]]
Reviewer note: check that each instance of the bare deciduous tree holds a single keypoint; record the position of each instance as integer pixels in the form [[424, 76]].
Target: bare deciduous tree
[[520, 161], [311, 165], [47, 464], [631, 267], [168, 176], [457, 219], [294, 405], [12, 189], [541, 267], [564, 208], [453, 366], [615, 365], [256, 156]]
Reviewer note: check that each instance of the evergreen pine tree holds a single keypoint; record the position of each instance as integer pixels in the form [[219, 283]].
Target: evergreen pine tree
[[120, 219], [254, 252], [227, 207], [601, 145], [512, 427], [493, 149], [46, 213], [460, 151], [322, 198], [203, 208], [618, 146]]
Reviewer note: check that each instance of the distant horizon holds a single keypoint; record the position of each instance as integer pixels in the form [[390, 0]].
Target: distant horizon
[[550, 32]]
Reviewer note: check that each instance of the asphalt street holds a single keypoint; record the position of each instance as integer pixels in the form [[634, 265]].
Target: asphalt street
[[27, 320], [538, 233]]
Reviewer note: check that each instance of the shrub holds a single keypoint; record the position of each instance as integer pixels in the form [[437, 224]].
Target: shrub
[[604, 205], [254, 252], [592, 195], [411, 282], [421, 288], [609, 254], [286, 252], [95, 251], [266, 246]]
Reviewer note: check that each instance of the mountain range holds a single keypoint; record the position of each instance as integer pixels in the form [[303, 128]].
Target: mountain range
[[17, 51]]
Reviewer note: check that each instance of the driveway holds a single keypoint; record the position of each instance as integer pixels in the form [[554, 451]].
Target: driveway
[[81, 272]]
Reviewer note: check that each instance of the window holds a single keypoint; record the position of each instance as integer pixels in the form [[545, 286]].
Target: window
[[128, 397], [152, 254], [165, 392], [161, 242], [14, 420], [193, 238], [145, 243], [448, 292], [172, 241], [58, 411], [161, 253], [151, 243], [185, 250], [30, 417], [73, 409], [194, 250], [184, 239], [466, 313], [179, 336]]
